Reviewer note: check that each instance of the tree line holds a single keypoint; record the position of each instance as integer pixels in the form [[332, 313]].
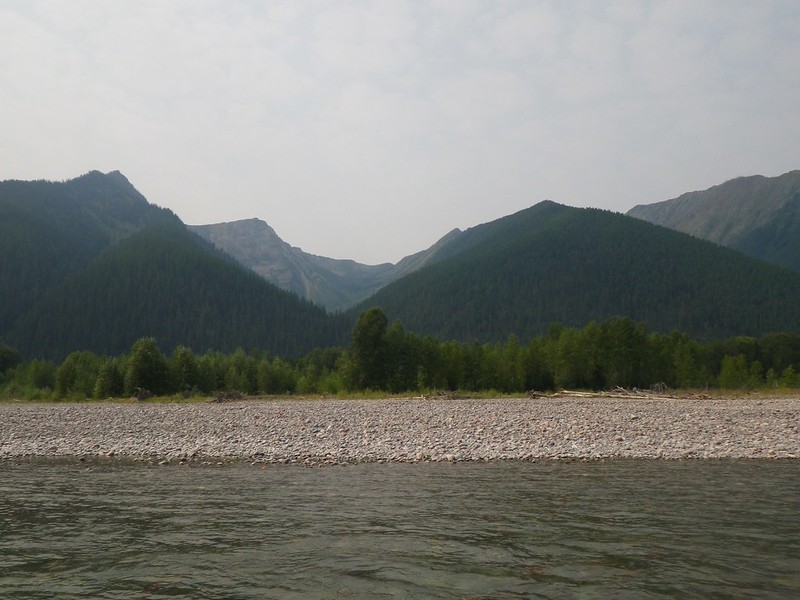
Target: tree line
[[385, 357]]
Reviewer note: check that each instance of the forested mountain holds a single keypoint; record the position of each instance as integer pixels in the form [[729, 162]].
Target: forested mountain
[[89, 264], [49, 230], [555, 264], [332, 283], [759, 216], [165, 282]]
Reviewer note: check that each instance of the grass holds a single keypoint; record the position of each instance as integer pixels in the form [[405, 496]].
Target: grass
[[17, 394]]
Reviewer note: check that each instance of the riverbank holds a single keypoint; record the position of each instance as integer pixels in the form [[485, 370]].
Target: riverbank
[[317, 432]]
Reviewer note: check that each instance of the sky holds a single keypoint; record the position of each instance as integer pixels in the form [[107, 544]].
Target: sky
[[369, 129]]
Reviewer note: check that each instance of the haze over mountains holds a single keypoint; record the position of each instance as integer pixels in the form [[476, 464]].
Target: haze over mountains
[[557, 264], [759, 216], [89, 264], [332, 283]]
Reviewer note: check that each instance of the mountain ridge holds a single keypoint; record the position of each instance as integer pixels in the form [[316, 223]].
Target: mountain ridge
[[552, 263], [336, 284], [90, 264], [51, 229], [87, 263], [755, 215]]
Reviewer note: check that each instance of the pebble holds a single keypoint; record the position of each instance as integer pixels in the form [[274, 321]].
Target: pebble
[[336, 432]]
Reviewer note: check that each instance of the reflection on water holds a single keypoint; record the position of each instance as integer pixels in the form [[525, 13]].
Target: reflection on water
[[619, 529]]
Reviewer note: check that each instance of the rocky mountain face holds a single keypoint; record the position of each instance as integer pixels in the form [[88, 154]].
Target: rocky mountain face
[[759, 216], [333, 283]]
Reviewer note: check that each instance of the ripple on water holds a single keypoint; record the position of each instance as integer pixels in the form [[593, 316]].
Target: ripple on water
[[622, 529]]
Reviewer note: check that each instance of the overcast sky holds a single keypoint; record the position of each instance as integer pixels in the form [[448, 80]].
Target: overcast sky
[[368, 130]]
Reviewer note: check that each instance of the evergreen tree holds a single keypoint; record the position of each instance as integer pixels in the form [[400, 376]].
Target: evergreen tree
[[147, 368], [242, 373], [624, 348], [403, 357], [370, 350], [183, 368], [9, 358]]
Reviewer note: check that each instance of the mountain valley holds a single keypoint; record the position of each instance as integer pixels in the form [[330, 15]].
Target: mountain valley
[[90, 264]]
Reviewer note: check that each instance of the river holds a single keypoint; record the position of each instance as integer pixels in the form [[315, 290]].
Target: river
[[550, 529]]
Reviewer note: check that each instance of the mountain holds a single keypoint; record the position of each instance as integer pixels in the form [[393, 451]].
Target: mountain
[[49, 230], [556, 264], [165, 282], [90, 264], [332, 283], [759, 216], [99, 267]]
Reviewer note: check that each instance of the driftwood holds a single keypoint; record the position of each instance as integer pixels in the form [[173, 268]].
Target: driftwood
[[142, 394], [444, 395], [226, 396], [617, 392], [657, 392]]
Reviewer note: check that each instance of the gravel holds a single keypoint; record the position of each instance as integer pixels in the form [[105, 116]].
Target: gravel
[[327, 432]]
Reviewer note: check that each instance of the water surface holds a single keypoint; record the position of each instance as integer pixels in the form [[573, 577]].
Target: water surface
[[616, 529]]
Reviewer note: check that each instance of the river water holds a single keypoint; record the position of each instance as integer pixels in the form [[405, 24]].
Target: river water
[[616, 529]]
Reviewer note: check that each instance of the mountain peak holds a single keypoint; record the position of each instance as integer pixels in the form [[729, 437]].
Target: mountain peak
[[756, 215], [118, 177], [334, 283], [113, 180]]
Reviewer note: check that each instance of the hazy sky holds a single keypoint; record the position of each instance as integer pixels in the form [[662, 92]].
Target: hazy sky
[[368, 130]]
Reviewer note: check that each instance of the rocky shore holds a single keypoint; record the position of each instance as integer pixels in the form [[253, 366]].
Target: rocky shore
[[322, 432]]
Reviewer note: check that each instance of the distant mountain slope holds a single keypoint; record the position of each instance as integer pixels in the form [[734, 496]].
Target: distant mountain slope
[[89, 264], [759, 216], [552, 263], [166, 282], [49, 230], [332, 283]]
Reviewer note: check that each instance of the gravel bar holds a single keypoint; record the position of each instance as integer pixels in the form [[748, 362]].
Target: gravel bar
[[327, 432]]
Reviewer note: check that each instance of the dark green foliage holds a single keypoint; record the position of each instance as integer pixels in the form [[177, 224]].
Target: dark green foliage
[[77, 375], [146, 369], [779, 350], [276, 376], [110, 381], [778, 241], [49, 230], [9, 358], [604, 355], [758, 216], [36, 374], [370, 351], [211, 368], [736, 373], [319, 371], [89, 265], [164, 281], [553, 263], [622, 353], [184, 372], [242, 373]]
